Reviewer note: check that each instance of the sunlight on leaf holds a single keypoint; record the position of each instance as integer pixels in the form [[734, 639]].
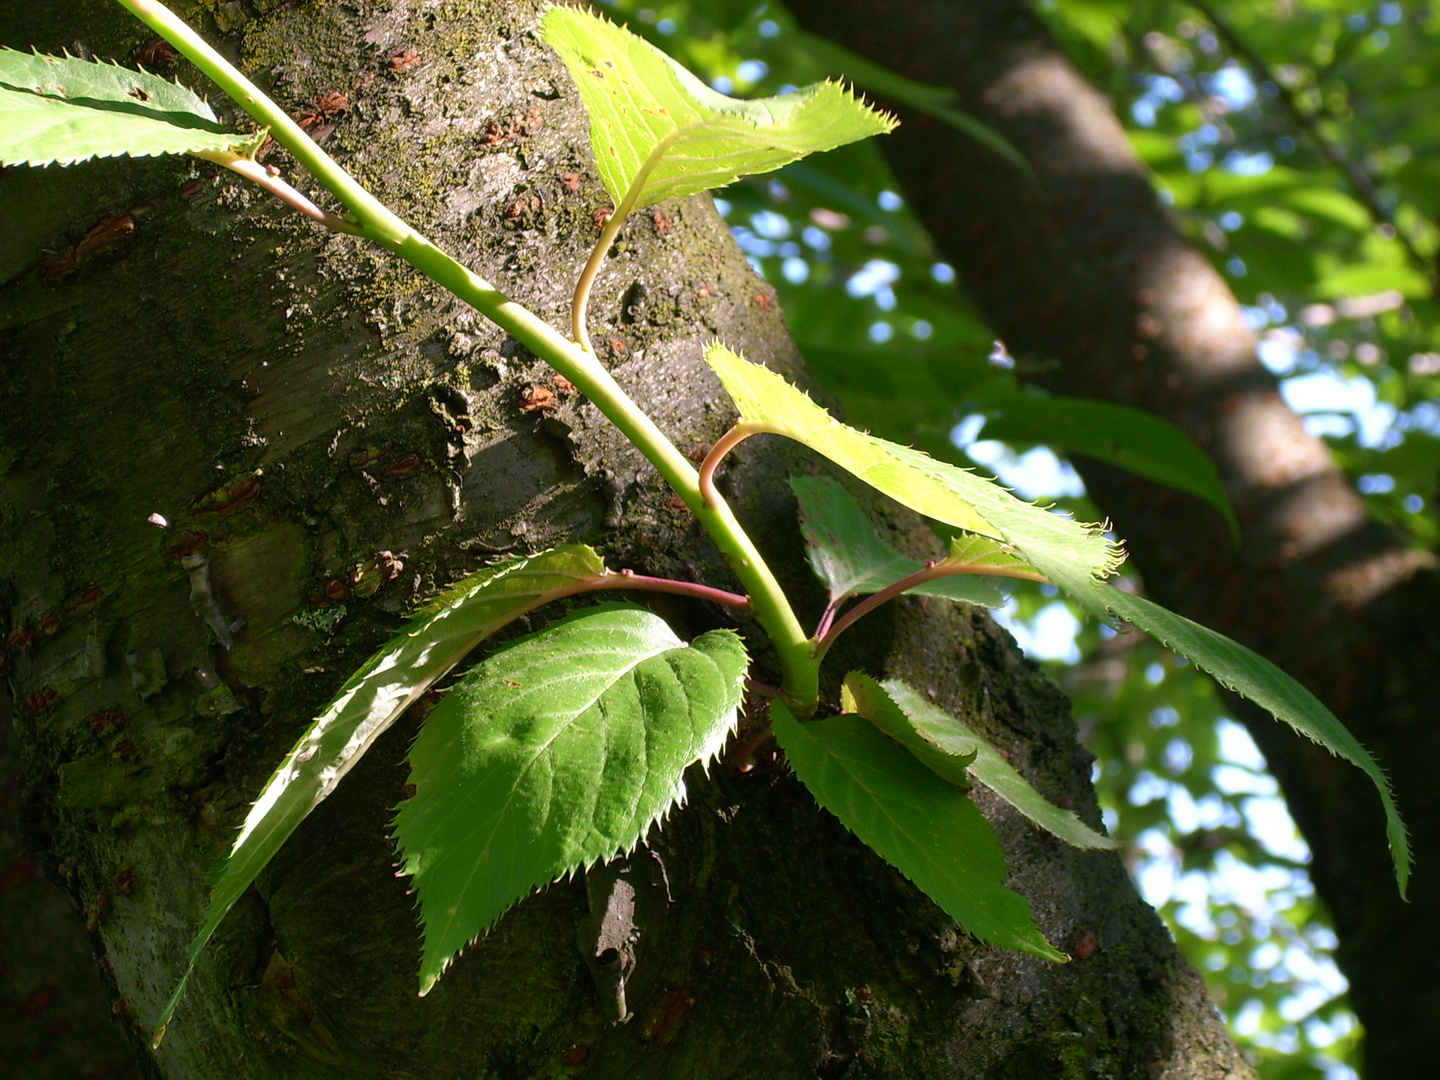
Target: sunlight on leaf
[[1074, 557], [62, 110], [560, 750], [659, 132]]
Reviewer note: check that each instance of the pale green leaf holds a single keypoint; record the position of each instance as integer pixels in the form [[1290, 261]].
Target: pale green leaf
[[921, 825], [370, 701], [64, 110], [1072, 556], [558, 751], [851, 560], [953, 736], [1133, 440], [947, 757], [1252, 676], [658, 129]]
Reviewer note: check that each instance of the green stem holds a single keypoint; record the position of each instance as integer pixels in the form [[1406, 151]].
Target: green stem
[[611, 230], [798, 664]]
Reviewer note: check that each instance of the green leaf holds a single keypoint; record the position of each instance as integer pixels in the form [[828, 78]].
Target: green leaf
[[936, 748], [558, 751], [370, 701], [1073, 556], [952, 736], [925, 828], [659, 132], [851, 560], [1132, 439], [64, 110], [1252, 676]]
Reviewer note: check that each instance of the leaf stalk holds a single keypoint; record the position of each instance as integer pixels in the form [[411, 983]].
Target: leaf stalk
[[920, 577]]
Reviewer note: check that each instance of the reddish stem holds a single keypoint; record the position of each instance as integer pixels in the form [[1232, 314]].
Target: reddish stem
[[628, 579], [727, 442], [920, 577]]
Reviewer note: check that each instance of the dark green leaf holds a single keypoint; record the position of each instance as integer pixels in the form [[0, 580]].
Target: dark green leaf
[[952, 736], [1251, 675], [851, 560], [925, 828]]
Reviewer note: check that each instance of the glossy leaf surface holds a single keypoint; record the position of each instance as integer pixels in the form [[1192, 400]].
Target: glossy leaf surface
[[558, 751]]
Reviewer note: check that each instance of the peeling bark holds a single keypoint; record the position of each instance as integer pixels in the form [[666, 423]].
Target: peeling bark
[[320, 417], [1089, 270]]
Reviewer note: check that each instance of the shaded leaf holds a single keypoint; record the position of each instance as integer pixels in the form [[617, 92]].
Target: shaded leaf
[[370, 701], [659, 130], [944, 755], [851, 560], [558, 751], [64, 110], [952, 736], [921, 825], [1252, 676], [1073, 556], [1132, 439]]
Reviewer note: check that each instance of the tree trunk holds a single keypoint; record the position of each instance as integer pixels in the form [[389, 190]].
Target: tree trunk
[[1091, 270], [315, 416]]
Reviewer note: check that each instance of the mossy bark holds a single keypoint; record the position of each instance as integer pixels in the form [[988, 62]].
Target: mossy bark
[[320, 416]]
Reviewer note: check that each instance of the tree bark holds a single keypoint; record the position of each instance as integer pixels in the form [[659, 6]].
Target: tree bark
[[1090, 270], [321, 416]]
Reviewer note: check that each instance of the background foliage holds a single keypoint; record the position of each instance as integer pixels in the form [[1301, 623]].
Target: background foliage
[[1297, 145]]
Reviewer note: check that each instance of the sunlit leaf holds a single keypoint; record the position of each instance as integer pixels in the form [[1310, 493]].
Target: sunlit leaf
[[1074, 557], [62, 110], [924, 827], [370, 701], [560, 750], [1252, 676], [952, 736], [658, 129], [851, 560]]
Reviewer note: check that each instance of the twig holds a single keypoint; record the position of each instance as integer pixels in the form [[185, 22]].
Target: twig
[[264, 177]]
